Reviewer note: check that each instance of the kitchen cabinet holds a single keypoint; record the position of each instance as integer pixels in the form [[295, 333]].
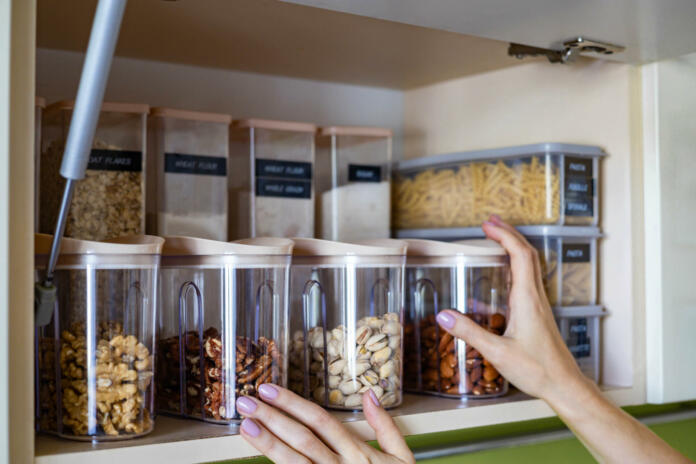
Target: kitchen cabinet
[[438, 89]]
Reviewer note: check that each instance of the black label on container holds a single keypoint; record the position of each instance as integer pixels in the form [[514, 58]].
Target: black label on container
[[115, 160], [364, 173], [579, 187], [576, 253], [283, 188], [195, 164], [579, 339], [283, 169]]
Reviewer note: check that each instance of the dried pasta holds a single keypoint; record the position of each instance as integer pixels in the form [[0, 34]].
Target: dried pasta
[[576, 285], [521, 192]]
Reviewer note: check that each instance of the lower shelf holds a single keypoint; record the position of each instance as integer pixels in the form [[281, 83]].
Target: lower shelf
[[185, 441]]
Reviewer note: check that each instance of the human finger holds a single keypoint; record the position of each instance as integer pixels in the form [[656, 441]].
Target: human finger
[[485, 342], [270, 445], [388, 434]]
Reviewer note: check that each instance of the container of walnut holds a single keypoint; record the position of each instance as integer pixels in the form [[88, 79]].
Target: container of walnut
[[222, 328], [95, 359]]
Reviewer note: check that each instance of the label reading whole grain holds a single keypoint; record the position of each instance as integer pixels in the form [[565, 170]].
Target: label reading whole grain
[[576, 253], [579, 340], [177, 163], [364, 173], [579, 187], [283, 188], [115, 160]]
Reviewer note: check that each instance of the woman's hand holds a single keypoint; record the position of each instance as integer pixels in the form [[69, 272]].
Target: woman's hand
[[287, 428]]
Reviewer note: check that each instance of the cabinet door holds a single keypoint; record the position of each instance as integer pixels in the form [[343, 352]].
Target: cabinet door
[[669, 125]]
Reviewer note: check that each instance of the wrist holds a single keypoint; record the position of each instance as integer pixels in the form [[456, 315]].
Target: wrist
[[575, 392]]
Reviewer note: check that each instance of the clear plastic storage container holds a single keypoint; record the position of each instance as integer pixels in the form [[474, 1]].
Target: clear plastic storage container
[[110, 201], [547, 183], [471, 278], [579, 327], [39, 105], [353, 183], [187, 184], [94, 360], [223, 324], [347, 329], [271, 189]]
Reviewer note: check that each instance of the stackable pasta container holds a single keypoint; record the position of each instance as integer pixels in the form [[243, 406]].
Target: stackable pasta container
[[94, 360], [222, 326], [187, 182], [353, 183], [471, 278], [580, 329], [110, 201], [39, 105], [270, 193], [548, 183], [347, 324]]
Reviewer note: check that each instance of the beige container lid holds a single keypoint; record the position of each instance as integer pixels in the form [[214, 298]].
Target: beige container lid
[[40, 102], [318, 247], [130, 245], [190, 115], [107, 107], [271, 124], [426, 248], [355, 130], [192, 246]]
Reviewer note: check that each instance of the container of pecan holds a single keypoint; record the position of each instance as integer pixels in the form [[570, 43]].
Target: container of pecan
[[471, 278], [95, 358], [222, 328], [348, 340]]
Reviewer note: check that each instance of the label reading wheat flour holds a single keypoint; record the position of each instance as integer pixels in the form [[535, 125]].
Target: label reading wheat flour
[[115, 160], [178, 163]]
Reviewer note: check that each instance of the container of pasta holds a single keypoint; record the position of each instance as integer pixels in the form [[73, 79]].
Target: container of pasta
[[548, 183], [579, 327]]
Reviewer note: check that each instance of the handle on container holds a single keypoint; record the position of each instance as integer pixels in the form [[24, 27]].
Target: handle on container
[[134, 288], [268, 284], [186, 287], [381, 283], [419, 305], [309, 285]]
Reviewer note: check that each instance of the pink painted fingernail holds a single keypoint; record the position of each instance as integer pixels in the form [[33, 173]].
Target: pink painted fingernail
[[251, 428], [446, 320], [489, 223], [373, 397], [246, 405], [268, 391]]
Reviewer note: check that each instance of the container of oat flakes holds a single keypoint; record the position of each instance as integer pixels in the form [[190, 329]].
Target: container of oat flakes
[[110, 201], [94, 360], [271, 179], [348, 338], [222, 327]]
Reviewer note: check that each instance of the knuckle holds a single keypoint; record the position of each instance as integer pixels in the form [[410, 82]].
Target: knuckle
[[306, 441]]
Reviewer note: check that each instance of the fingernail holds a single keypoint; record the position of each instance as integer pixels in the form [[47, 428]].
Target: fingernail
[[489, 223], [268, 391], [496, 219], [446, 320], [373, 397], [246, 405], [251, 428]]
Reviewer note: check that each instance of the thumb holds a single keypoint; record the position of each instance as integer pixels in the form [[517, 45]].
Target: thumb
[[460, 326], [388, 435]]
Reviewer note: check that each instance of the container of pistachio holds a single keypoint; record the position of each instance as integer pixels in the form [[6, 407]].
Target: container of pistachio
[[94, 360], [349, 338]]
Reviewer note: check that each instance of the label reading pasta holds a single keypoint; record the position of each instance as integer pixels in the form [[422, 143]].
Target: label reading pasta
[[579, 187], [115, 160], [579, 340], [364, 173], [576, 253]]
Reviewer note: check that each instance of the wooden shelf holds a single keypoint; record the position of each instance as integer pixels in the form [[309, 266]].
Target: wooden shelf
[[183, 441]]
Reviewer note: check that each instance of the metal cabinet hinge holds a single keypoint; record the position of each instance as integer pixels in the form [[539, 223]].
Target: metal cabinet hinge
[[571, 50]]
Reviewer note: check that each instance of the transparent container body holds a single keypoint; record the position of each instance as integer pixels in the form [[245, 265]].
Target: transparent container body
[[110, 201], [222, 332], [271, 193], [537, 184], [352, 318], [188, 174], [40, 104], [353, 183], [95, 359], [436, 363], [580, 329]]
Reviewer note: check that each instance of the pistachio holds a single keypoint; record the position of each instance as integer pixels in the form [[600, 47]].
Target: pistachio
[[336, 367], [376, 342], [362, 334], [336, 397], [386, 369], [353, 401], [334, 380], [349, 387], [381, 356], [391, 328]]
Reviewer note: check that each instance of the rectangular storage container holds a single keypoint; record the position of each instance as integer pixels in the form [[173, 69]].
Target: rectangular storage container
[[39, 105], [579, 327], [347, 333], [95, 358], [110, 201], [547, 183], [271, 179], [471, 278], [223, 324], [187, 184], [353, 183]]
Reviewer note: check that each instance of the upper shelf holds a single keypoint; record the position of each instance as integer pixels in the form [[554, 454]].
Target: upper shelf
[[272, 37]]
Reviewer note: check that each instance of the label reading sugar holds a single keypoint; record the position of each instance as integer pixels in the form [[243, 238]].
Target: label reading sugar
[[576, 253], [195, 164], [579, 187], [283, 188], [283, 169], [364, 173], [579, 340], [115, 160]]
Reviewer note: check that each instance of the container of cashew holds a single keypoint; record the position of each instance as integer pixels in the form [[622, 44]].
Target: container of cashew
[[222, 328], [94, 360], [347, 329]]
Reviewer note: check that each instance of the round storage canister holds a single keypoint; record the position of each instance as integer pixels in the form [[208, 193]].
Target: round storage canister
[[222, 325], [94, 360], [346, 300], [471, 278]]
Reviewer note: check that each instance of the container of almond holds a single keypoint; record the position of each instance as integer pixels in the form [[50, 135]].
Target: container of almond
[[471, 278], [94, 359], [222, 327], [347, 336]]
